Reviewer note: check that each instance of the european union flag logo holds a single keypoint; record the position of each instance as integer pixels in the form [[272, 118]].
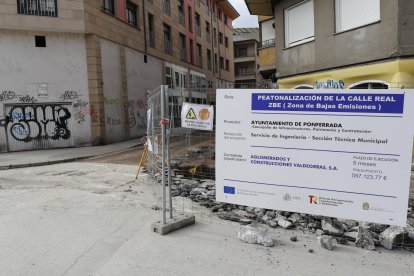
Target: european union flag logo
[[229, 190]]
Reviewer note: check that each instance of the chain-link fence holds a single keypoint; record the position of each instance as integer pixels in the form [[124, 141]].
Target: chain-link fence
[[187, 185]]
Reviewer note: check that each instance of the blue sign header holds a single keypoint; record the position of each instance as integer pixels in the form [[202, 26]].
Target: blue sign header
[[321, 102]]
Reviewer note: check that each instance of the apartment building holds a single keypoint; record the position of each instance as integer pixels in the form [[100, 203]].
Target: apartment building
[[246, 59], [267, 51], [342, 43], [76, 73]]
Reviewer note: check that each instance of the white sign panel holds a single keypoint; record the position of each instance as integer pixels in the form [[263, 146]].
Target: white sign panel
[[197, 116], [338, 153], [42, 90]]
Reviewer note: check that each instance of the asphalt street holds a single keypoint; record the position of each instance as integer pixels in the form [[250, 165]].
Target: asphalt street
[[94, 219]]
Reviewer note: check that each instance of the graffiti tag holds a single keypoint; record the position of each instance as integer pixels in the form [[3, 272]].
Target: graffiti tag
[[80, 111], [27, 99], [69, 95], [38, 122], [113, 121], [7, 95]]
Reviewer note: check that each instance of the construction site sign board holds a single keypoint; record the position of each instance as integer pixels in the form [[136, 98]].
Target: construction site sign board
[[197, 116], [337, 153]]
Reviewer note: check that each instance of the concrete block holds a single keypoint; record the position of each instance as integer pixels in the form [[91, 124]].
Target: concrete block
[[172, 224]]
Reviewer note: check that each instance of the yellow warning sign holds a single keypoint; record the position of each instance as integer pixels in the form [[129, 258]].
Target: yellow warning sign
[[191, 114]]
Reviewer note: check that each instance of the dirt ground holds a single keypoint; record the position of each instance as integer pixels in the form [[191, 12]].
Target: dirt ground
[[126, 157]]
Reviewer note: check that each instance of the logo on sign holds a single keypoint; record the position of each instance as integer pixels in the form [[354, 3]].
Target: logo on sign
[[287, 197], [313, 199], [229, 190], [191, 114], [204, 114], [365, 206]]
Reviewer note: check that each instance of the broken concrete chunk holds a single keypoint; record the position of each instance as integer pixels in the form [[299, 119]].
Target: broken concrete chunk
[[285, 224], [326, 242], [392, 236], [332, 226], [255, 234], [410, 231], [364, 239], [295, 217], [271, 223]]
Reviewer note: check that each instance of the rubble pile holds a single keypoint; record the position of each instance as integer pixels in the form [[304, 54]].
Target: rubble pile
[[329, 230]]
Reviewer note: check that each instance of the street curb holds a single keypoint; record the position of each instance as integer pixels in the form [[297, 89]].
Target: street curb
[[38, 164]]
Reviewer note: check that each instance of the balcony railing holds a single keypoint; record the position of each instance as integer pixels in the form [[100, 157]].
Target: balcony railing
[[267, 43], [38, 7], [241, 55], [166, 6], [245, 73]]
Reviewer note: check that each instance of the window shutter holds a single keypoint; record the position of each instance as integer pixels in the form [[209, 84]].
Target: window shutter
[[299, 23], [354, 13]]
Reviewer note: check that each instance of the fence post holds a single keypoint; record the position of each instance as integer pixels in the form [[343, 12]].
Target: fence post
[[163, 154], [170, 115]]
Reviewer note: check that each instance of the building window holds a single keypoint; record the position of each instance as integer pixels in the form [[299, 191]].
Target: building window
[[220, 37], [299, 24], [190, 19], [226, 42], [225, 19], [199, 55], [37, 7], [370, 85], [227, 65], [219, 14], [108, 6], [207, 7], [131, 15], [191, 51], [167, 39], [183, 50], [166, 6], [352, 14], [151, 30], [181, 12], [215, 63], [215, 36], [221, 63], [198, 24], [209, 67], [208, 32]]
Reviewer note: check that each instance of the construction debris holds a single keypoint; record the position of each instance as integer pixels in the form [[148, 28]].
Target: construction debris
[[255, 235]]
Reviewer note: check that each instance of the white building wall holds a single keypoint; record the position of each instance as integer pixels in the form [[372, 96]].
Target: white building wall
[[112, 89], [268, 32], [141, 77], [38, 76]]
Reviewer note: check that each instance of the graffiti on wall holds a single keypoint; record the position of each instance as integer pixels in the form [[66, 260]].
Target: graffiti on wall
[[137, 114], [112, 101], [80, 111], [27, 99], [69, 95], [7, 96], [112, 121], [38, 122]]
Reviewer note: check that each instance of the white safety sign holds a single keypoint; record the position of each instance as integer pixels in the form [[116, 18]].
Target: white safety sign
[[337, 153], [197, 116]]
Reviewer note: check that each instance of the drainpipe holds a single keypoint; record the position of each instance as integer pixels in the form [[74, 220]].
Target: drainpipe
[[145, 31]]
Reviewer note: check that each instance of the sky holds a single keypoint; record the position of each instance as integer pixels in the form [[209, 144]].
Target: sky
[[245, 20]]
